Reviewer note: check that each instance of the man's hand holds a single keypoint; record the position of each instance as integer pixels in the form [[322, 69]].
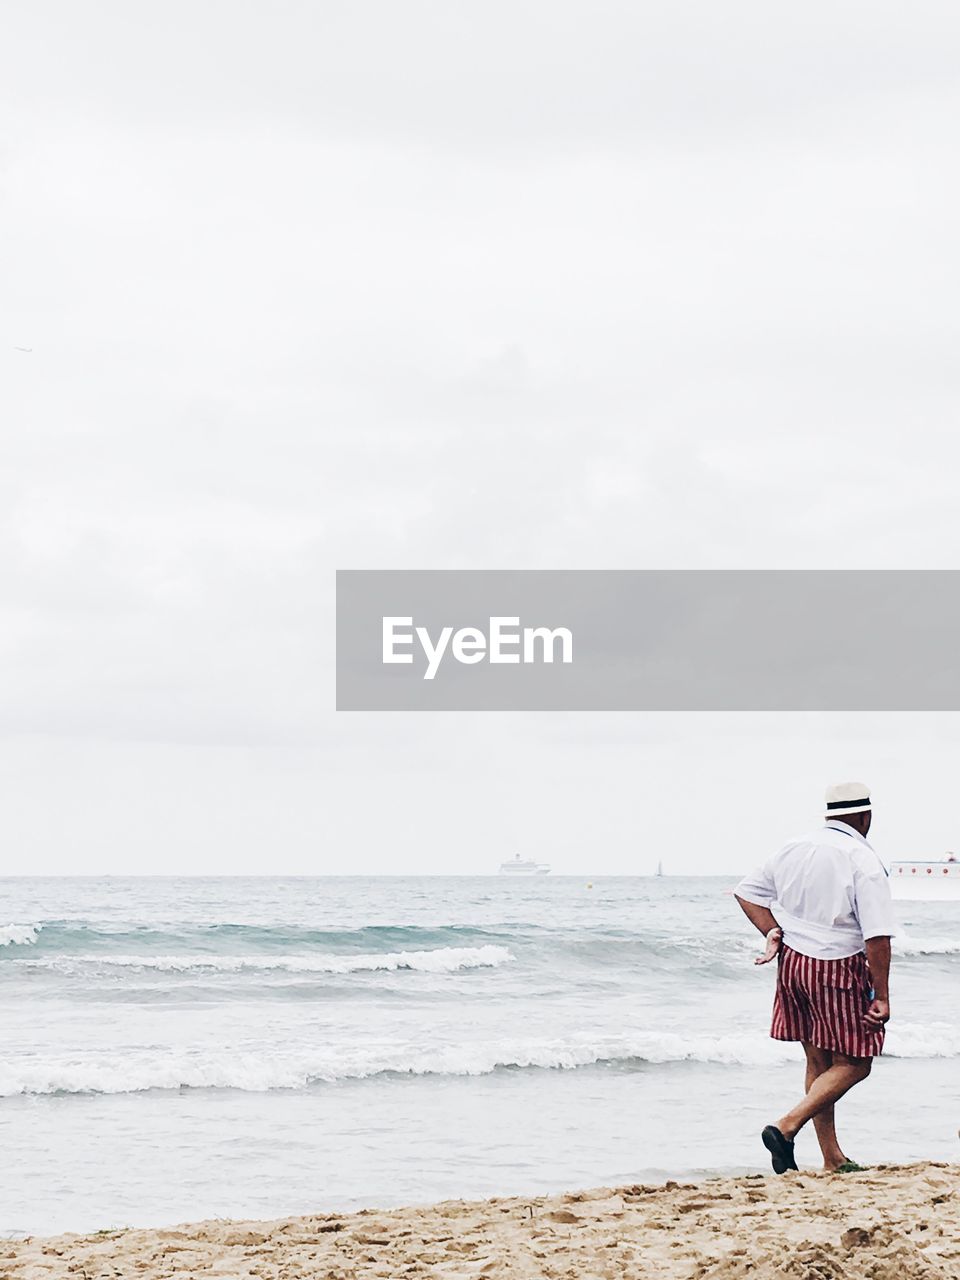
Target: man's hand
[[762, 918], [774, 938], [877, 1015]]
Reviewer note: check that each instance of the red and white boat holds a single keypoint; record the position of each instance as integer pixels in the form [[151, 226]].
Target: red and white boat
[[926, 879]]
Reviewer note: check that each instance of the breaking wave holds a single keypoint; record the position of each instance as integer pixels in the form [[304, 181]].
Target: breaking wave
[[262, 1071], [439, 960], [19, 935], [904, 946]]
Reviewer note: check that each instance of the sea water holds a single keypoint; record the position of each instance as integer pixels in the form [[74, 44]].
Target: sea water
[[174, 1049]]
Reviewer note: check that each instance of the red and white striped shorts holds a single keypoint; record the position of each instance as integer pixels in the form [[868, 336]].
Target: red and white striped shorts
[[823, 1002]]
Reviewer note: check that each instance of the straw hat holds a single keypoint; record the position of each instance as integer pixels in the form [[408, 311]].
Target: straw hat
[[847, 797]]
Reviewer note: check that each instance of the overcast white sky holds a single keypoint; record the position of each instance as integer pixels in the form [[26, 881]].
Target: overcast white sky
[[380, 285]]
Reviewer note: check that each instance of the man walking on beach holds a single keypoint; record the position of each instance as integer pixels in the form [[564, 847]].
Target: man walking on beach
[[824, 904]]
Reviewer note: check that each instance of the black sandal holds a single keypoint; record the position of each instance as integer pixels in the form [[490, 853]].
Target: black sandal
[[780, 1148]]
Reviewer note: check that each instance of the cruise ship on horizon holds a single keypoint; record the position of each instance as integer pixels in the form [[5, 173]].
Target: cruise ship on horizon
[[926, 879], [518, 866]]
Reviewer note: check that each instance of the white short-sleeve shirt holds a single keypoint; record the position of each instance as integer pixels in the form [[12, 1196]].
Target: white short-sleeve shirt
[[828, 891]]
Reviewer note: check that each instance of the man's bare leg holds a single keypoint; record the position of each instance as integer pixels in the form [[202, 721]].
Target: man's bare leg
[[825, 1090], [818, 1062]]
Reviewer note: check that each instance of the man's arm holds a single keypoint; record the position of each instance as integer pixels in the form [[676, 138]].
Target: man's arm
[[762, 918], [878, 958], [876, 917]]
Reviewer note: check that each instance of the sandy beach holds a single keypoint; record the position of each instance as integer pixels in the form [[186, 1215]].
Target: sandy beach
[[889, 1223]]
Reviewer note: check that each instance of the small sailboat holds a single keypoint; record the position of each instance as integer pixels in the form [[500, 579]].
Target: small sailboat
[[659, 868]]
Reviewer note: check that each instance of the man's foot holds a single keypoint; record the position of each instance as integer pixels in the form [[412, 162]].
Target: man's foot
[[780, 1148]]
